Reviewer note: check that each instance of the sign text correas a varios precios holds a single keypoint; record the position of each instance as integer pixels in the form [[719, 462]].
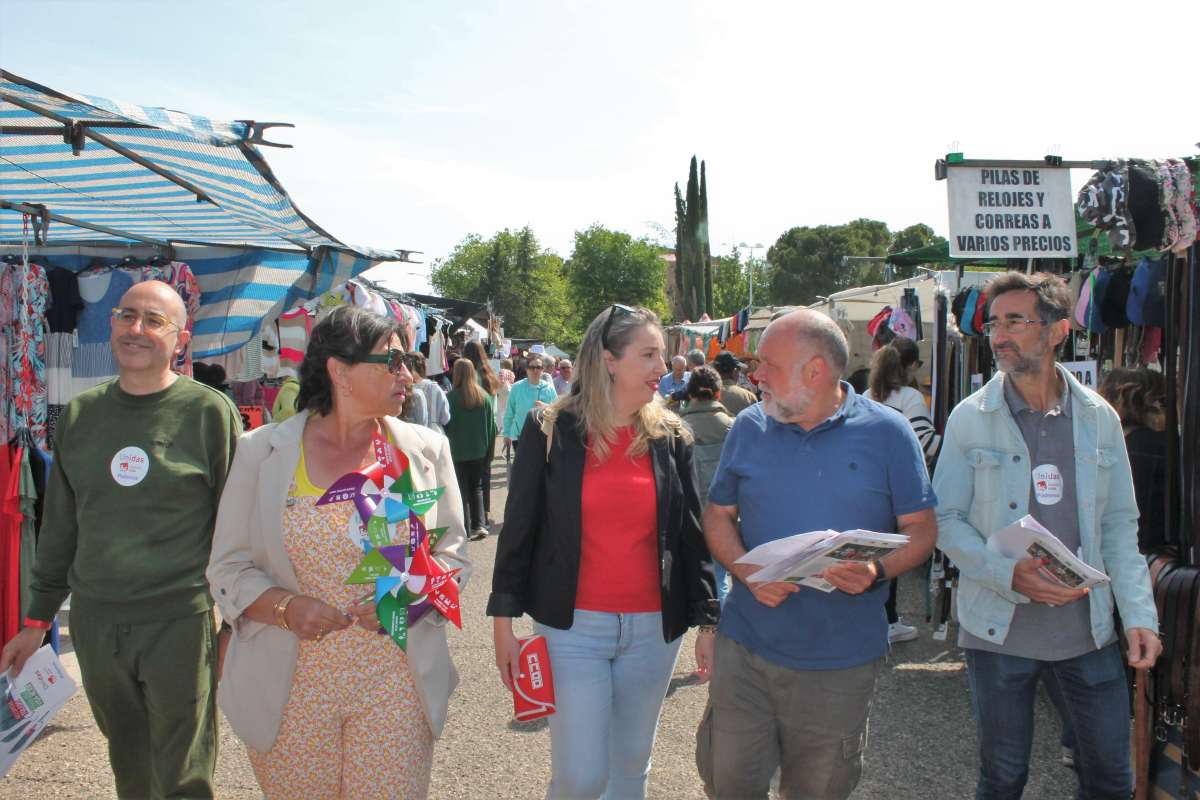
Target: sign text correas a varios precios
[[1035, 219]]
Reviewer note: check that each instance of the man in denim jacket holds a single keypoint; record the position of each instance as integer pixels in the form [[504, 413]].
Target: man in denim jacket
[[1035, 441]]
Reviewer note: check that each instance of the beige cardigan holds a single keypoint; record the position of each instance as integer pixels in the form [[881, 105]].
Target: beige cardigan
[[248, 557]]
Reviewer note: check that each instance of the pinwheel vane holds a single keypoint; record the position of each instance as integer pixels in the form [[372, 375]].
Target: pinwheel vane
[[409, 582]]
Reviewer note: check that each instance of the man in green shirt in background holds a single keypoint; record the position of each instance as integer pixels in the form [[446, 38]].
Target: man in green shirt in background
[[140, 462]]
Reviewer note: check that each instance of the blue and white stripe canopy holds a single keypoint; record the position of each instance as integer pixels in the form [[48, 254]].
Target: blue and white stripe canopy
[[98, 172]]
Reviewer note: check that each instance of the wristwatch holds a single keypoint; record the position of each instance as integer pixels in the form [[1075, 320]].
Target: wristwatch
[[881, 575]]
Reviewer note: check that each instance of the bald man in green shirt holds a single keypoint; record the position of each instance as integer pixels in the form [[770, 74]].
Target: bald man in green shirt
[[140, 462]]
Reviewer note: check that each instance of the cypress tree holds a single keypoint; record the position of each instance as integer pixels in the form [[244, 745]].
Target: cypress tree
[[695, 268], [704, 249], [681, 274]]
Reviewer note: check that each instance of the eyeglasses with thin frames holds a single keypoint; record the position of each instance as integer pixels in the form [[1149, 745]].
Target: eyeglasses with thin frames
[[612, 312], [152, 321], [1013, 325]]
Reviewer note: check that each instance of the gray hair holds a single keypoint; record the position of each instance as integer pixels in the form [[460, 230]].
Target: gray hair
[[695, 358], [677, 359]]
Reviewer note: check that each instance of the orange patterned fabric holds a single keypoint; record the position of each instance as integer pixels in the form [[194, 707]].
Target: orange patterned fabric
[[353, 726]]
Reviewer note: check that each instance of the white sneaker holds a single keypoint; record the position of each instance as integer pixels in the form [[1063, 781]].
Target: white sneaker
[[899, 632]]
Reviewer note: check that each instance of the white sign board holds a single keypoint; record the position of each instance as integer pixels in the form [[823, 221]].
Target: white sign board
[[1084, 372], [1011, 212]]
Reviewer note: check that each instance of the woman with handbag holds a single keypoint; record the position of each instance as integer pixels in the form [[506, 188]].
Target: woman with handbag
[[602, 546]]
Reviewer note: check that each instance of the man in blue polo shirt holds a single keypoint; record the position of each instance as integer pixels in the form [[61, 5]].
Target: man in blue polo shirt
[[795, 668]]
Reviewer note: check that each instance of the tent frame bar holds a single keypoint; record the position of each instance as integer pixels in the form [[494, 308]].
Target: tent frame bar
[[941, 165], [45, 213], [75, 132]]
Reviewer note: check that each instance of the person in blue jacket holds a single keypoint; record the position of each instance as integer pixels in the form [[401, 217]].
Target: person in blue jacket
[[534, 391]]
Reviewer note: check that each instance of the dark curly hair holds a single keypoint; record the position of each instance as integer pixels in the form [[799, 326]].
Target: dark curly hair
[[705, 384], [1138, 395], [347, 333]]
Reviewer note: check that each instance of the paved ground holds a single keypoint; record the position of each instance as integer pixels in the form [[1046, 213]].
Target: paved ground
[[921, 740]]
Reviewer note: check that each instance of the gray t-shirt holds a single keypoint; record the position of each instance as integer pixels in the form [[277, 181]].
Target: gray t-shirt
[[1040, 631]]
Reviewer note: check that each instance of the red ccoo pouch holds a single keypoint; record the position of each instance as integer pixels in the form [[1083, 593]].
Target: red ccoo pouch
[[533, 692]]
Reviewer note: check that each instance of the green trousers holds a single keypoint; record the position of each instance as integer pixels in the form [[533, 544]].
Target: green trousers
[[152, 688]]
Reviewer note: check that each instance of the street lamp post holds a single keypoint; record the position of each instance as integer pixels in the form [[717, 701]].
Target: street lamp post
[[750, 268]]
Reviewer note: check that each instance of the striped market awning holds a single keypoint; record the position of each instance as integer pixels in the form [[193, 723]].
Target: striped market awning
[[84, 170]]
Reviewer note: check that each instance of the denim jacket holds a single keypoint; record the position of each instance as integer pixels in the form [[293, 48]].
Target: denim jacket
[[982, 483]]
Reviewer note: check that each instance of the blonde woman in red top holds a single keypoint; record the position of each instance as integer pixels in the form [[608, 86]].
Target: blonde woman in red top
[[602, 546]]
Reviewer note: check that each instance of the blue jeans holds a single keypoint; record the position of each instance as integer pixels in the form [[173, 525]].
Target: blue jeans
[[611, 673], [1003, 690], [722, 581]]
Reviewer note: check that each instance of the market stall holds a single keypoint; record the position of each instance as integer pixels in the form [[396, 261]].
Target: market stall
[[1126, 244], [96, 196]]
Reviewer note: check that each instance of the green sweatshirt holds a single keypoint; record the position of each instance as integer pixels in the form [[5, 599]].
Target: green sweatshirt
[[131, 502]]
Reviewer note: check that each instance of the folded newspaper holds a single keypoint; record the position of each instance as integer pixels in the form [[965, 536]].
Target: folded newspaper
[[798, 559], [1027, 538], [29, 702]]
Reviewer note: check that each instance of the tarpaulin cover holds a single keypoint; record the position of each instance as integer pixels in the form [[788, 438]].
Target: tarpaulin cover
[[116, 173]]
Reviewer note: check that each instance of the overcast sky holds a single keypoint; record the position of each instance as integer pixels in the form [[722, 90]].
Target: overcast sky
[[418, 123]]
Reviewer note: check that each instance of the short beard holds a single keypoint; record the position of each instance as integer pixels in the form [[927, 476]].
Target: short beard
[[1029, 364], [785, 412]]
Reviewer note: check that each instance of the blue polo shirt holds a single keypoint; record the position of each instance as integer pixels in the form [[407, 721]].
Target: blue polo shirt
[[667, 385], [861, 468]]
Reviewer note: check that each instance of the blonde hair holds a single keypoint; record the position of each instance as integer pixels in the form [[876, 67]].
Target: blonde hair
[[591, 397], [466, 384]]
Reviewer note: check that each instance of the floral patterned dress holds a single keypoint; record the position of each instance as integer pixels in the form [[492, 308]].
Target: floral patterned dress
[[27, 353]]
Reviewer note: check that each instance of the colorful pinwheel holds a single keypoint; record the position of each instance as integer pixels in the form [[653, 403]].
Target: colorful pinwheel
[[408, 581]]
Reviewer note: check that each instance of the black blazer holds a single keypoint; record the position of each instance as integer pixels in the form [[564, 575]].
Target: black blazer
[[537, 560]]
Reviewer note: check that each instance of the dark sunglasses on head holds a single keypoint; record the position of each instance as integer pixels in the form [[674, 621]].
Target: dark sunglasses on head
[[612, 312], [394, 359]]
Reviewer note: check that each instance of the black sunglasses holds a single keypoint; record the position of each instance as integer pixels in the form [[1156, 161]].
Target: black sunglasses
[[393, 358], [612, 312]]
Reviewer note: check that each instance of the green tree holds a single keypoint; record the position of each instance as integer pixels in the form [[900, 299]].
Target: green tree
[[525, 284], [808, 262], [693, 268], [609, 267], [463, 274], [912, 237], [731, 283]]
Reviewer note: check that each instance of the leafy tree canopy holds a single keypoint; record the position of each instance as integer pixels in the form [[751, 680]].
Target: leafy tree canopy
[[609, 267], [524, 283]]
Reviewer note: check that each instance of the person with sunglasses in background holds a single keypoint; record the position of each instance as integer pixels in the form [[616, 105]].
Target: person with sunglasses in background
[[601, 545], [140, 463], [327, 706], [536, 390]]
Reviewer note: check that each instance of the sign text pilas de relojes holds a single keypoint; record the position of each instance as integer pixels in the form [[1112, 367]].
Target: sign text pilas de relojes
[[1011, 212]]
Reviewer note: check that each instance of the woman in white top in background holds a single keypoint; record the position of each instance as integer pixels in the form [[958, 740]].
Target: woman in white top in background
[[894, 370], [507, 378], [437, 407]]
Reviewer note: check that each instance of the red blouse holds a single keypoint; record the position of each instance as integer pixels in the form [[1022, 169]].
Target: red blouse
[[618, 566]]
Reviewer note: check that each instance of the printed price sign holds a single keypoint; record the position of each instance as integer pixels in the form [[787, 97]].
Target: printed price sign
[[1084, 372], [1011, 212], [252, 417]]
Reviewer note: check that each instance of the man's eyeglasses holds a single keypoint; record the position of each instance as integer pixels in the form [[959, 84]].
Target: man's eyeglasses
[[152, 321], [394, 359], [1012, 325], [612, 313]]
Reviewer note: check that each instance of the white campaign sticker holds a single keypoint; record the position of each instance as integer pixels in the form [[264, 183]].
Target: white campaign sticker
[[129, 466], [1047, 484]]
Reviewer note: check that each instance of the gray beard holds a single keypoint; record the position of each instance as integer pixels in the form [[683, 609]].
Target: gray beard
[[786, 413]]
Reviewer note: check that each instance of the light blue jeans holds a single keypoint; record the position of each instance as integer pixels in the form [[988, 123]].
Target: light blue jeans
[[611, 673]]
